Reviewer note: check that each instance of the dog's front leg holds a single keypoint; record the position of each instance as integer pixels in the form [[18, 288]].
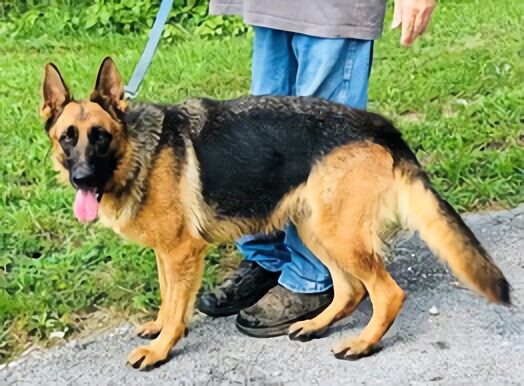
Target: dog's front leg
[[152, 328], [183, 267]]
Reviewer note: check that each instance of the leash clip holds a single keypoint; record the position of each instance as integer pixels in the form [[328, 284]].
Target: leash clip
[[131, 89]]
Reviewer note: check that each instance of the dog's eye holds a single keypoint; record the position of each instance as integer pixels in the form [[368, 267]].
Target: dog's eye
[[71, 132], [69, 136], [103, 138], [99, 137]]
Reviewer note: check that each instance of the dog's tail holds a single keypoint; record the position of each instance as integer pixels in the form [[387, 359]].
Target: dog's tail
[[421, 209]]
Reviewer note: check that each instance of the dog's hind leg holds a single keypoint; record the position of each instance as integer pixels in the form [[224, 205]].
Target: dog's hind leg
[[348, 293], [349, 235], [183, 271], [151, 329], [350, 195], [386, 297]]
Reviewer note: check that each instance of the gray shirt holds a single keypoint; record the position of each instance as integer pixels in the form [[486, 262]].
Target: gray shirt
[[358, 19]]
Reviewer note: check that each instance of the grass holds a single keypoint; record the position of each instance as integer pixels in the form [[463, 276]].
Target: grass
[[457, 96]]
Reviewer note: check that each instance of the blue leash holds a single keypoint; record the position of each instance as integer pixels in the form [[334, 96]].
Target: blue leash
[[131, 90]]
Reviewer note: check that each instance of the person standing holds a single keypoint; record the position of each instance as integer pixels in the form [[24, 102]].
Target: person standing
[[302, 48]]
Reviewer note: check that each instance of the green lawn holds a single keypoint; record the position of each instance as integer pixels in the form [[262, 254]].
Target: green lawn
[[457, 96]]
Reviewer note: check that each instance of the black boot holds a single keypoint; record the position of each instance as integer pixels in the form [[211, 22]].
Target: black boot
[[243, 288]]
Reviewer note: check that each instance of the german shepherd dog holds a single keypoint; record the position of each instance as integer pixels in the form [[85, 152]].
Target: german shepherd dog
[[177, 177]]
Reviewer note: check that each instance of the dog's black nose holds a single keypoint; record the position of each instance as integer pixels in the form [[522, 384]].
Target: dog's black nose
[[83, 177]]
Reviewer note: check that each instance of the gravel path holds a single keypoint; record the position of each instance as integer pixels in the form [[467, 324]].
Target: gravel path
[[469, 341]]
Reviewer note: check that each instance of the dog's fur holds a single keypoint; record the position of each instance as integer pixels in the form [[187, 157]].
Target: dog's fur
[[174, 178]]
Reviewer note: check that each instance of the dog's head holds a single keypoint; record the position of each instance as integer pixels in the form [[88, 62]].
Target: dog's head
[[88, 136]]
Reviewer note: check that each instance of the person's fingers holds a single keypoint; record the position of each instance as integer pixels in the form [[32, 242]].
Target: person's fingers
[[422, 21], [397, 14], [408, 24], [414, 16]]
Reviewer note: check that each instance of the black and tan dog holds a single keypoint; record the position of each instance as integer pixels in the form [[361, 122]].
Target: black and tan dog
[[174, 178]]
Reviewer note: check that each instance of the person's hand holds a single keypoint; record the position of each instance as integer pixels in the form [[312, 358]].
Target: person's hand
[[414, 15]]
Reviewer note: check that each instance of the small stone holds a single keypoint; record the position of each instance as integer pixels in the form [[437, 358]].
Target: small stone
[[441, 345], [73, 344], [433, 311], [57, 335]]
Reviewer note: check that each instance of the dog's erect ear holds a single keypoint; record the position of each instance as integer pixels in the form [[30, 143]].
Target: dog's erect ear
[[109, 88], [55, 94]]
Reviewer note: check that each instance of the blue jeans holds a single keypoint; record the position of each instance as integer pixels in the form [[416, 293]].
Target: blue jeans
[[287, 63]]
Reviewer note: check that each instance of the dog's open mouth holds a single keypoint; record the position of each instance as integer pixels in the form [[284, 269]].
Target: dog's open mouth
[[86, 204]]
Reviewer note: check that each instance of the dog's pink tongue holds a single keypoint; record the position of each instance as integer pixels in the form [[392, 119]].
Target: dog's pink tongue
[[85, 206]]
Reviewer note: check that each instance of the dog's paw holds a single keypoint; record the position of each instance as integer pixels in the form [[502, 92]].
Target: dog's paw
[[147, 357], [306, 330], [354, 348], [149, 330]]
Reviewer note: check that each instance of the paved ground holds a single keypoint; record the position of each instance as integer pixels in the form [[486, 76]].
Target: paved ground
[[469, 341]]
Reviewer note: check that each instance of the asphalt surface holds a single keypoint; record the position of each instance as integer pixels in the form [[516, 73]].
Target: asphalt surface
[[468, 342]]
